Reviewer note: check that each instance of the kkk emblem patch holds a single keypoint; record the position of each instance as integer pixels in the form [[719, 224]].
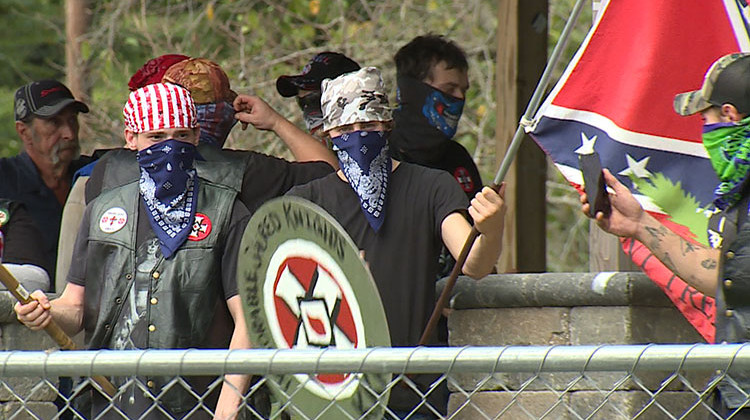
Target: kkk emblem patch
[[464, 179], [201, 227]]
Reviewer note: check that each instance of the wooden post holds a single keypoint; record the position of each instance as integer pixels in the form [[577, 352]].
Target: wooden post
[[521, 57]]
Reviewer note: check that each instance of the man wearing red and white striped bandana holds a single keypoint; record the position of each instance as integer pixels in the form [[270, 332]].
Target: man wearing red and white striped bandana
[[155, 261]]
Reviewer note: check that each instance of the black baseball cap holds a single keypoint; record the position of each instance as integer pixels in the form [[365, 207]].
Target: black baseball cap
[[44, 99], [326, 65]]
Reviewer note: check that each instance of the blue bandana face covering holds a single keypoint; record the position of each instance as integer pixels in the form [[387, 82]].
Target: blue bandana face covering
[[168, 183], [366, 162], [443, 111]]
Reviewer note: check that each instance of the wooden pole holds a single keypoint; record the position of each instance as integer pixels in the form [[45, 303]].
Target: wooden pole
[[521, 59], [53, 330]]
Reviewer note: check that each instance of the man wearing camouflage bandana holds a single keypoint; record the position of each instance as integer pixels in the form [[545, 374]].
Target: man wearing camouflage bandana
[[722, 271], [399, 214]]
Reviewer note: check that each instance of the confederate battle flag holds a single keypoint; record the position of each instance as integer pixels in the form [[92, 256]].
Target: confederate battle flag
[[617, 94]]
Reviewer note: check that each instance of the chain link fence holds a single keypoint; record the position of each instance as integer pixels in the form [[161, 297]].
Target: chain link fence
[[558, 382]]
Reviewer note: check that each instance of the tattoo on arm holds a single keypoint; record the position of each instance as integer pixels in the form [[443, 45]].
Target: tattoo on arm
[[667, 260], [657, 234], [687, 247], [709, 263]]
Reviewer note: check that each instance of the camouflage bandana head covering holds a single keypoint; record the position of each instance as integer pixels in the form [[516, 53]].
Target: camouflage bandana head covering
[[360, 97], [728, 147], [354, 97]]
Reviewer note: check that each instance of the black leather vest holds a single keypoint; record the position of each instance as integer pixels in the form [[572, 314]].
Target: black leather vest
[[186, 291], [729, 231]]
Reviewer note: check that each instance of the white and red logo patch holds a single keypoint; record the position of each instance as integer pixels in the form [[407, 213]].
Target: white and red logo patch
[[464, 179], [309, 303], [201, 227], [113, 220]]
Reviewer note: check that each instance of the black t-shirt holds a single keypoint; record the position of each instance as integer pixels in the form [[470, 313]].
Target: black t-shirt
[[23, 243], [458, 162], [265, 177], [403, 254]]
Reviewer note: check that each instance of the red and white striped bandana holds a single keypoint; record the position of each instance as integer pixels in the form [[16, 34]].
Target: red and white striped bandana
[[159, 106]]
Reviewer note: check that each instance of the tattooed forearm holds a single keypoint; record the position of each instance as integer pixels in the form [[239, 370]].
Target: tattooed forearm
[[709, 264]]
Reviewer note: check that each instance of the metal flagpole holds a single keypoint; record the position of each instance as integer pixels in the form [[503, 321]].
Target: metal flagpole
[[510, 155]]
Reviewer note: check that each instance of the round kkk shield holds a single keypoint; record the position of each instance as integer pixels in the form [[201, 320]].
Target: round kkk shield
[[303, 285]]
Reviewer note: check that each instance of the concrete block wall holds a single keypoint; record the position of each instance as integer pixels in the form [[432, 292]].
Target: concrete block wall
[[568, 309]]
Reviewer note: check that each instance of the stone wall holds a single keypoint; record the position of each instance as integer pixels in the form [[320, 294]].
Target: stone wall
[[567, 309]]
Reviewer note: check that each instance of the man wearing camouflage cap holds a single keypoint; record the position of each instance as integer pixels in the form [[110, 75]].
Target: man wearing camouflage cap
[[724, 104], [399, 214]]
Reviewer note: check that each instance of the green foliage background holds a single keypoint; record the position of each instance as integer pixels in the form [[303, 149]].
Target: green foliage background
[[255, 41]]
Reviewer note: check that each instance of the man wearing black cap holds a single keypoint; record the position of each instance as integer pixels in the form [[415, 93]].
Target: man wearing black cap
[[722, 271], [306, 85], [40, 176]]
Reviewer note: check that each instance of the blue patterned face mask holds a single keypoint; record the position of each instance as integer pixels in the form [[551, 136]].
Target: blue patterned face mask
[[216, 121], [365, 160], [168, 184], [440, 110], [443, 111]]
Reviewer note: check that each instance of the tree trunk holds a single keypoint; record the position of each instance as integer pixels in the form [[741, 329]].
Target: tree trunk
[[77, 21]]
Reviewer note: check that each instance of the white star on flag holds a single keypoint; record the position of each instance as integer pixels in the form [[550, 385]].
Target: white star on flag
[[636, 168], [587, 145]]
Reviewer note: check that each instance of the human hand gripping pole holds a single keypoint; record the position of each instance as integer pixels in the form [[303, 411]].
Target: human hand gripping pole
[[54, 330], [526, 121]]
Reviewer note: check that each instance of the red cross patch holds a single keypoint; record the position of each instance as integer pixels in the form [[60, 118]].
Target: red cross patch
[[201, 227]]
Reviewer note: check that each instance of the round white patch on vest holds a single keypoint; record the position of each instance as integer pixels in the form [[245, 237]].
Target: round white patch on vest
[[113, 220]]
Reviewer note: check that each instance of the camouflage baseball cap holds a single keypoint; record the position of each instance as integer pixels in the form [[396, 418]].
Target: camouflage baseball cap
[[726, 82], [354, 97]]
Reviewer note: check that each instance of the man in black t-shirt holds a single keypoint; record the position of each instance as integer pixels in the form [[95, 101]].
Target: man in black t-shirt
[[398, 213], [40, 176]]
